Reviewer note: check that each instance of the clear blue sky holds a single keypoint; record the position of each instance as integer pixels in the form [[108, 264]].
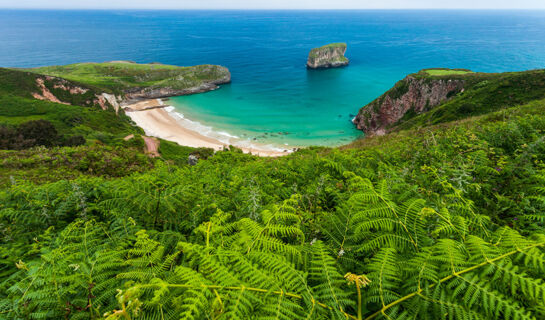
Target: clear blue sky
[[276, 4]]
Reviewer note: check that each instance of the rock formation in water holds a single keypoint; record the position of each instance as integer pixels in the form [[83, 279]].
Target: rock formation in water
[[329, 56], [413, 95]]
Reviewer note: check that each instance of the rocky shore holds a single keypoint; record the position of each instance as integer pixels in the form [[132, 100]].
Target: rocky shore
[[136, 94]]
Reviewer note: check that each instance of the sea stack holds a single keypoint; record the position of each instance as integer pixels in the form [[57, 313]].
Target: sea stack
[[328, 56]]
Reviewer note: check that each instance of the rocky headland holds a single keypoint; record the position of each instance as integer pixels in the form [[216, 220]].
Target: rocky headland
[[120, 83], [328, 56], [413, 95], [203, 79]]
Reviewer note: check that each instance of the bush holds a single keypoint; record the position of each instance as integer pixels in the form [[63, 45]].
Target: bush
[[35, 133], [42, 132]]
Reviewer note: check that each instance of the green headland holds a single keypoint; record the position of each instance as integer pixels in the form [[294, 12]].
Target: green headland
[[122, 76]]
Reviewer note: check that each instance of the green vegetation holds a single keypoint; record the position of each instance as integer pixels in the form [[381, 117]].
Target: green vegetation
[[335, 45], [42, 165], [314, 53], [484, 93], [79, 118], [35, 133], [178, 155], [444, 220], [118, 77], [435, 222], [446, 72]]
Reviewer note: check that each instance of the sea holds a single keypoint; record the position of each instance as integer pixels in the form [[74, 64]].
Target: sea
[[273, 99]]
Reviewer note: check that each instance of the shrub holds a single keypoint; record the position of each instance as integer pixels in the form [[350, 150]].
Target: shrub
[[42, 132]]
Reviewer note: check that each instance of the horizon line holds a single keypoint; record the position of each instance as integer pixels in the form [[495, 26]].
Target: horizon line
[[267, 9]]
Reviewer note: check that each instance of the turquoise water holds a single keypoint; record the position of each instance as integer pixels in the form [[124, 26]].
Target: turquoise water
[[310, 108], [272, 92]]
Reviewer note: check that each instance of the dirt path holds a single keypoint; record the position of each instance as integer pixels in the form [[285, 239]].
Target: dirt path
[[152, 146]]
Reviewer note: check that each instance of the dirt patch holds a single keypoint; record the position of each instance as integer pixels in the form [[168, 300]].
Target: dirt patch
[[46, 94], [152, 146]]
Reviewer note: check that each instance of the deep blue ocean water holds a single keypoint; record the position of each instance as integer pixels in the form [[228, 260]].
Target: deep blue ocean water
[[266, 51]]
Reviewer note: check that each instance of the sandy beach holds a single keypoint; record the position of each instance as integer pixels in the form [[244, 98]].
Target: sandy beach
[[151, 116]]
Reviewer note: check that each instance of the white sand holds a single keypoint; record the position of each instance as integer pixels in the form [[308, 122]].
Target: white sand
[[158, 123]]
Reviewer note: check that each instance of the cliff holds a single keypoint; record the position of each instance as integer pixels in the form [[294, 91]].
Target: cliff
[[62, 91], [329, 56], [434, 96], [411, 95]]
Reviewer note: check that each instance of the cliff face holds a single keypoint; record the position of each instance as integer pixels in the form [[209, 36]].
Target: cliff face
[[329, 56], [415, 95]]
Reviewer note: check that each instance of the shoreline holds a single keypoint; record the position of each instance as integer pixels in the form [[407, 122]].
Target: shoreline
[[151, 116]]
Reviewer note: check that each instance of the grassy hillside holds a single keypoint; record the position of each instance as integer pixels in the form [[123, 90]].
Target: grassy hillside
[[117, 77], [483, 93], [23, 84], [82, 117], [443, 221]]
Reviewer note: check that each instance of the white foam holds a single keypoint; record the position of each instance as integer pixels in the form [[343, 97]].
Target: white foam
[[223, 133], [222, 136]]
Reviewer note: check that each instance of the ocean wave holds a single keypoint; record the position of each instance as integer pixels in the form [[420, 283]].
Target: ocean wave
[[223, 133], [222, 136], [170, 109]]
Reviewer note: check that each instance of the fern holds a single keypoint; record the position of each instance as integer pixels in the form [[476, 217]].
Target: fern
[[472, 279]]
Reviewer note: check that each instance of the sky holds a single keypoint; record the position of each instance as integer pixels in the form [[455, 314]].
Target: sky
[[275, 4]]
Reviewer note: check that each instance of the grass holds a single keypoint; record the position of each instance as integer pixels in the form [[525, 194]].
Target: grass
[[332, 46], [335, 45], [446, 72], [117, 77]]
